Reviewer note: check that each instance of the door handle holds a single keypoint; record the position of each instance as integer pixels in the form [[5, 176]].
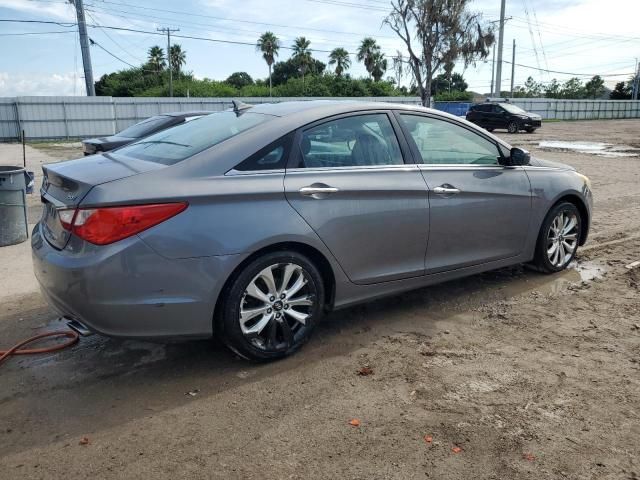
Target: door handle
[[311, 190], [446, 190]]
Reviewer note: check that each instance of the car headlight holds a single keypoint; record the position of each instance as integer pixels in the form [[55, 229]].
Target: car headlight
[[585, 179]]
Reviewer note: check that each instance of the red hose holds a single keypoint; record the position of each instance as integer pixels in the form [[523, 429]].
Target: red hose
[[17, 350]]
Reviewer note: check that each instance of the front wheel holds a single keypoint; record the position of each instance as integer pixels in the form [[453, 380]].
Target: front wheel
[[272, 306], [558, 238], [512, 127], [530, 130]]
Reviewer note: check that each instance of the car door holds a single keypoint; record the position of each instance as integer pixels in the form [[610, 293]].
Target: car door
[[347, 178], [479, 210]]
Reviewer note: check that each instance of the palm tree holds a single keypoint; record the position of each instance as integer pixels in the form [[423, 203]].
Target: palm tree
[[156, 58], [177, 57], [340, 57], [302, 54], [368, 48], [269, 45], [379, 66]]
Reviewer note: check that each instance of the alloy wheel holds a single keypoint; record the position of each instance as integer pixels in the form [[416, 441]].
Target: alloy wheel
[[562, 238], [276, 305], [512, 127]]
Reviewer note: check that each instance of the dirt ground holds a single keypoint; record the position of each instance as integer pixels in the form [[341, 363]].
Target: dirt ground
[[525, 376]]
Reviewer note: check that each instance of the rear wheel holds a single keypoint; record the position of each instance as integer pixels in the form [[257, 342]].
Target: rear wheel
[[272, 306], [558, 238], [512, 127]]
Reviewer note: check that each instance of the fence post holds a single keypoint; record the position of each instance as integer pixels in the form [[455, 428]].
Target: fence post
[[64, 117], [19, 128]]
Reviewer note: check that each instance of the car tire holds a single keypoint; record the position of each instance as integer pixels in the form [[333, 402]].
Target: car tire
[[489, 129], [279, 328], [530, 130], [512, 127], [558, 239]]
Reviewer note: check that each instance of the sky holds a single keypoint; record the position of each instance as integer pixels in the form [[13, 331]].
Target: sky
[[583, 37]]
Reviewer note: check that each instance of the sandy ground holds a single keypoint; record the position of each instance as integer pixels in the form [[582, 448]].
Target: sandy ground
[[530, 376]]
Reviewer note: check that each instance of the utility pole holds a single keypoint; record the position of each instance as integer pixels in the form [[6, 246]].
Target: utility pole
[[513, 65], [493, 68], [636, 82], [500, 40], [84, 47], [169, 30]]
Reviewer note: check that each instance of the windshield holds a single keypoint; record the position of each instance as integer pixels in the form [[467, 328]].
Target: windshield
[[185, 140], [513, 109], [144, 127]]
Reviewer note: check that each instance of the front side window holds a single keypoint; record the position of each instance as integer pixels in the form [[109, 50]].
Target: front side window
[[185, 140], [441, 142], [357, 141]]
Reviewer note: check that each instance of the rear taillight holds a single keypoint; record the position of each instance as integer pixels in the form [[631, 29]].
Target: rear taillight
[[102, 226]]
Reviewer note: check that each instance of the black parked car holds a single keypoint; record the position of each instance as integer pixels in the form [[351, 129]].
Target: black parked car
[[492, 115], [137, 131]]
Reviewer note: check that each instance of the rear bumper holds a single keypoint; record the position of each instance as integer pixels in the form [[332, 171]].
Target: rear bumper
[[128, 290]]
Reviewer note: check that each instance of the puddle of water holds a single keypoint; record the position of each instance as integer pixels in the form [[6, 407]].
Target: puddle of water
[[593, 148]]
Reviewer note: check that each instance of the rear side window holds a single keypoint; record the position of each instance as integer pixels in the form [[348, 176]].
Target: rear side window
[[357, 141], [272, 157], [185, 140]]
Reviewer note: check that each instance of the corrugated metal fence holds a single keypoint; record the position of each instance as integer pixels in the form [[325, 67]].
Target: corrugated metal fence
[[81, 117]]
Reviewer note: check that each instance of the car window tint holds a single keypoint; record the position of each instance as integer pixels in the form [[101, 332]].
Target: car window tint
[[145, 127], [185, 140], [441, 142], [362, 140], [272, 157]]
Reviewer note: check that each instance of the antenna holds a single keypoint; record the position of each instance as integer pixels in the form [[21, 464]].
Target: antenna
[[239, 106]]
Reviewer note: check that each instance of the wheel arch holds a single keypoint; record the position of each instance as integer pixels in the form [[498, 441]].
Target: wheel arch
[[317, 257], [582, 208]]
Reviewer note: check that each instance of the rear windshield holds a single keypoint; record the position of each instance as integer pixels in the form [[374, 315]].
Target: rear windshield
[[183, 141], [144, 127]]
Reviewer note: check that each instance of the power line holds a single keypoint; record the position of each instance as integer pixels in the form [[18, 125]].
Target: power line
[[200, 15], [34, 33]]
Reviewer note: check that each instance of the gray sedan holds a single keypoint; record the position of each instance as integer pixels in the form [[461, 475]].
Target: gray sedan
[[250, 224]]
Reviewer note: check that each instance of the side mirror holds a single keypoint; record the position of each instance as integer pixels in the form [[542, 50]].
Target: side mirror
[[519, 156]]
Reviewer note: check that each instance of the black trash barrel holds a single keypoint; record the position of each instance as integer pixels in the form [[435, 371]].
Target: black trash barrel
[[13, 205]]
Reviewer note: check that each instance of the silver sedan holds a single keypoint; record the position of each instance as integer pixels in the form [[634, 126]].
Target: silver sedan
[[251, 223]]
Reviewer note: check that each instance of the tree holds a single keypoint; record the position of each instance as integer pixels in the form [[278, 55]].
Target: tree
[[284, 71], [239, 79], [340, 58], [177, 57], [552, 90], [594, 88], [269, 45], [379, 66], [454, 82], [367, 53], [302, 54], [532, 88], [572, 88], [157, 60], [622, 91], [437, 32]]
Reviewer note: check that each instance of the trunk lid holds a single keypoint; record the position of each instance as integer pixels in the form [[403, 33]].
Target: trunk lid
[[65, 184]]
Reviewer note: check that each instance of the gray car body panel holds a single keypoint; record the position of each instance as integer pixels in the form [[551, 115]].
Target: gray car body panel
[[378, 236]]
